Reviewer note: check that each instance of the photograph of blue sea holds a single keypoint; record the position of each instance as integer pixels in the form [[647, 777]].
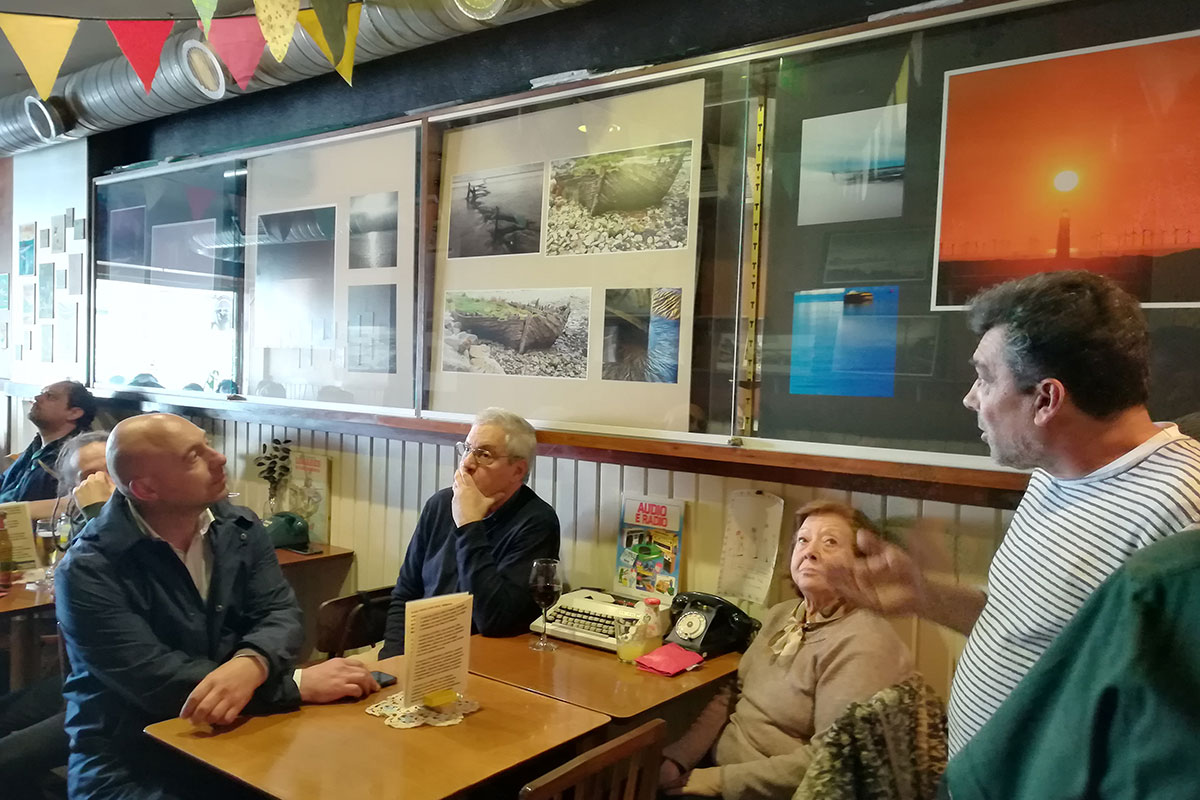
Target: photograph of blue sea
[[844, 342], [496, 212]]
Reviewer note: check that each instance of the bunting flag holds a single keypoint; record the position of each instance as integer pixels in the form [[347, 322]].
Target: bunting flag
[[332, 16], [239, 42], [199, 199], [206, 9], [142, 42], [41, 43], [277, 18], [345, 66]]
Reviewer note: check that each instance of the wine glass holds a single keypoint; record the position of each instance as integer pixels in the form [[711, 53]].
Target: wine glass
[[545, 581]]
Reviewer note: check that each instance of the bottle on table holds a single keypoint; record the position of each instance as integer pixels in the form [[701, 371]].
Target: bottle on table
[[5, 559]]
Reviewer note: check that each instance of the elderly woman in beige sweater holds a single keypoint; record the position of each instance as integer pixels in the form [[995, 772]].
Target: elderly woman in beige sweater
[[813, 657]]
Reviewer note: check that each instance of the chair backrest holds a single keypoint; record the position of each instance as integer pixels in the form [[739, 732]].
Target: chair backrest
[[353, 621], [625, 768]]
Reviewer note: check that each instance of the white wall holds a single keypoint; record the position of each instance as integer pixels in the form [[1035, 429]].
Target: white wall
[[46, 183]]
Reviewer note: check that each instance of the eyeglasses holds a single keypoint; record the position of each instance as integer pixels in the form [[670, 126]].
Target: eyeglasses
[[483, 456]]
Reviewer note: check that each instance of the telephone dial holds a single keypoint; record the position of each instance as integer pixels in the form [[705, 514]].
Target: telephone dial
[[710, 625]]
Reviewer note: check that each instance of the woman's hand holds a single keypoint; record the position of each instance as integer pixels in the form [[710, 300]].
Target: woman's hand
[[670, 775], [701, 782]]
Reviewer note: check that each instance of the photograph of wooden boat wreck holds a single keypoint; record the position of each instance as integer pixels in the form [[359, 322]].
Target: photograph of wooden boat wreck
[[532, 332], [627, 200], [496, 212]]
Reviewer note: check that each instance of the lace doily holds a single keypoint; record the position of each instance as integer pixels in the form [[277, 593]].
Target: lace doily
[[398, 715]]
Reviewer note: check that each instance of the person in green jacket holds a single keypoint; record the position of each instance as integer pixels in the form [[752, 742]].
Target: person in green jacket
[[85, 484], [1112, 710]]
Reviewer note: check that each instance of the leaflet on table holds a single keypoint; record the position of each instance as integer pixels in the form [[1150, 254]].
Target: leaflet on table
[[437, 645], [15, 521], [649, 546], [753, 522]]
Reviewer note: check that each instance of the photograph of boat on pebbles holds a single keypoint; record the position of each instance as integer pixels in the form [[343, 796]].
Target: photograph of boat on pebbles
[[623, 201], [496, 212], [641, 335], [533, 332]]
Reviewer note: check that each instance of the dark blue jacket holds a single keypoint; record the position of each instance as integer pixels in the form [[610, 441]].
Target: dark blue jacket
[[139, 638], [491, 559], [31, 477]]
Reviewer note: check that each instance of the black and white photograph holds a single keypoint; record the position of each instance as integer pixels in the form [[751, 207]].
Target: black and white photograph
[[294, 271], [371, 328], [623, 201], [532, 332], [641, 335], [917, 344], [127, 235], [374, 230], [496, 212], [58, 234], [874, 256]]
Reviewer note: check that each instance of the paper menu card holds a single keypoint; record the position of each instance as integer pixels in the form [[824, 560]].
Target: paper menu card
[[437, 645], [15, 521], [753, 521]]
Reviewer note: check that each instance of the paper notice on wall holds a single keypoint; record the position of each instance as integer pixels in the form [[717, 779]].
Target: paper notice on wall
[[437, 645], [16, 524], [752, 526]]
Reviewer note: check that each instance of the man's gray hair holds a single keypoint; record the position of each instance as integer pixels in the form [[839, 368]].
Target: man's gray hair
[[520, 439]]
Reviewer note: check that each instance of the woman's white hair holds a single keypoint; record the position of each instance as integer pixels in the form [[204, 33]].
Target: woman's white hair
[[520, 439]]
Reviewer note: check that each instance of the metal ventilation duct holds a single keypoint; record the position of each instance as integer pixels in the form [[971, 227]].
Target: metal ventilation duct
[[109, 95]]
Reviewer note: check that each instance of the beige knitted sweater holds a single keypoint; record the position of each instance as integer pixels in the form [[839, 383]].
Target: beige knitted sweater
[[782, 701]]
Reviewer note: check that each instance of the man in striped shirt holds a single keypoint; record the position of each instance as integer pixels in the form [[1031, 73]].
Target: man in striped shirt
[[1061, 388]]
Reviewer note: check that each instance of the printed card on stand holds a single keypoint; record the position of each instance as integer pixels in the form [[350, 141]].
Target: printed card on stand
[[437, 646]]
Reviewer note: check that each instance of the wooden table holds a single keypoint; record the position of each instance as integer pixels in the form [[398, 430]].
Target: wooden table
[[588, 677], [21, 606], [339, 751], [328, 556]]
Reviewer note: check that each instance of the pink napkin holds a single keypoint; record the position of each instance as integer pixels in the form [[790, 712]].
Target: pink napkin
[[669, 660]]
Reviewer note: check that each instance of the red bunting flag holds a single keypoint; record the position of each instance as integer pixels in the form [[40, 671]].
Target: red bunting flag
[[239, 42], [142, 42]]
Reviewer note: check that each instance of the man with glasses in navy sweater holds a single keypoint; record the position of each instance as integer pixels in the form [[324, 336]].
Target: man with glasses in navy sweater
[[482, 535]]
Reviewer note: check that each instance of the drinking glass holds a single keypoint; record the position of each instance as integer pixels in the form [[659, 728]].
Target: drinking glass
[[545, 581], [628, 633], [47, 540]]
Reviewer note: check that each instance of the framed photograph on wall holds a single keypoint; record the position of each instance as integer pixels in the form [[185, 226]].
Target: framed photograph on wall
[[546, 308], [1079, 180]]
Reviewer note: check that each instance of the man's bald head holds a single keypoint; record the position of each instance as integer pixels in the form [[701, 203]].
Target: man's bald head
[[164, 459]]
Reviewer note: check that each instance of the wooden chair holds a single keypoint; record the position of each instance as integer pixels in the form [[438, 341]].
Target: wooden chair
[[624, 769], [354, 621]]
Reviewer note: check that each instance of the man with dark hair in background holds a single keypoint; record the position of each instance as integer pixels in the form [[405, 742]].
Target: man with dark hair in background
[[60, 411], [1061, 388]]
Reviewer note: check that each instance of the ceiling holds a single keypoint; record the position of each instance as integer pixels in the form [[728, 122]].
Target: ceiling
[[93, 42]]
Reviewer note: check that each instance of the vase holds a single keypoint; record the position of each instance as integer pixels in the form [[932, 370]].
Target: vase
[[271, 507]]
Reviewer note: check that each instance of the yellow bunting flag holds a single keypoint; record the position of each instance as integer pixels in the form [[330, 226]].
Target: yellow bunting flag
[[344, 67], [41, 43], [277, 18]]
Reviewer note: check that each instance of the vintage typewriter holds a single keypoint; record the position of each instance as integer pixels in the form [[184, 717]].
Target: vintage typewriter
[[586, 616]]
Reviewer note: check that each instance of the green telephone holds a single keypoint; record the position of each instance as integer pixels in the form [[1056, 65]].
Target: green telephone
[[289, 530]]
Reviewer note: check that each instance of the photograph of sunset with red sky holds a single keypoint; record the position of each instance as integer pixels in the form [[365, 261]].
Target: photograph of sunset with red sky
[[1084, 161]]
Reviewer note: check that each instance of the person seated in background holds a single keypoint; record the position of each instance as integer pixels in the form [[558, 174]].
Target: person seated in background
[[482, 535], [813, 657], [171, 602], [32, 738], [84, 482], [59, 412]]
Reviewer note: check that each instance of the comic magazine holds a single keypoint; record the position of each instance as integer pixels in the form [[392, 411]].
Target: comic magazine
[[649, 546]]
